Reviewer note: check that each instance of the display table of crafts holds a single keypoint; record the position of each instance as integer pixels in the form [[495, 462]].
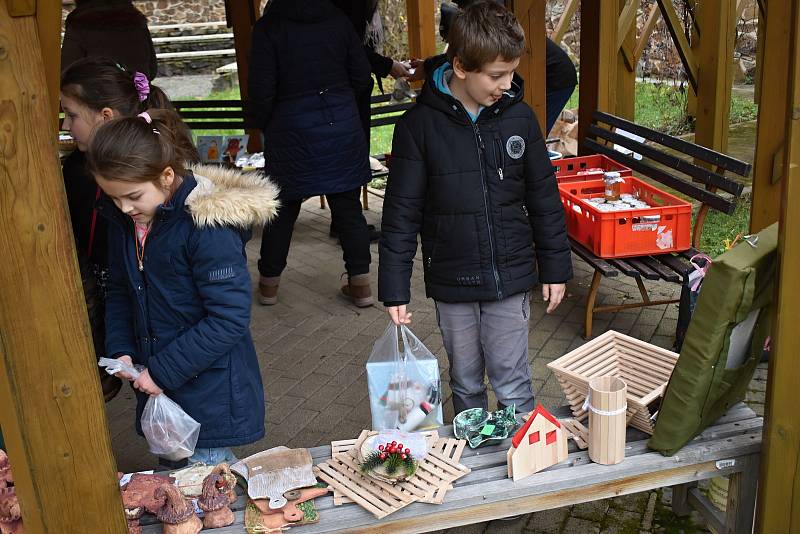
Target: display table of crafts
[[729, 447]]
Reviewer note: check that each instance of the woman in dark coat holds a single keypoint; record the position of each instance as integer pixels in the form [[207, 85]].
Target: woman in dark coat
[[307, 67]]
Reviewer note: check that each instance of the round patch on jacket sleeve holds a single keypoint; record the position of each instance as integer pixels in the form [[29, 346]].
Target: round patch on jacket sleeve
[[515, 146]]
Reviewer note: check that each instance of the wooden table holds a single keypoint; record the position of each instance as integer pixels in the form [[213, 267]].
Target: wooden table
[[730, 447]]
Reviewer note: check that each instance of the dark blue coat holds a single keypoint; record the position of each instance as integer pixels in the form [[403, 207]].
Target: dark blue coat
[[186, 316], [307, 65]]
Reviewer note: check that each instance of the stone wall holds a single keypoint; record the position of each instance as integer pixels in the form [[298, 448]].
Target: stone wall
[[171, 11]]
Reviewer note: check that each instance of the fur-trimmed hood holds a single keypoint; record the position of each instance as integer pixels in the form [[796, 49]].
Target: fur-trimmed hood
[[231, 197]]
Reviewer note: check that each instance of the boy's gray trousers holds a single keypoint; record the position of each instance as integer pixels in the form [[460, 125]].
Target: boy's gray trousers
[[490, 337]]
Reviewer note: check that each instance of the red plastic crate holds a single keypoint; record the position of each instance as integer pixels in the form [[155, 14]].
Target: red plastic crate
[[587, 168], [665, 227]]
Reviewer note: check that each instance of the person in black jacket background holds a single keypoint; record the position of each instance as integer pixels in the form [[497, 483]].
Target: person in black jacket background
[[307, 67], [470, 173]]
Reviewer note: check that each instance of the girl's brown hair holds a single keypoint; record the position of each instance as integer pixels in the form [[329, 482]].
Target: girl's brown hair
[[481, 33], [99, 83], [131, 149]]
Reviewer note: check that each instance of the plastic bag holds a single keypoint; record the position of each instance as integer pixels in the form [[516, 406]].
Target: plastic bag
[[170, 432], [404, 384]]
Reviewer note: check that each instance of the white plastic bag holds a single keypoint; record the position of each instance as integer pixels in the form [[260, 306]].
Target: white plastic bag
[[404, 384], [170, 432]]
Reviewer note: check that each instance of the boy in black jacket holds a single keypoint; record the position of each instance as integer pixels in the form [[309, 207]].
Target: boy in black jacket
[[471, 174]]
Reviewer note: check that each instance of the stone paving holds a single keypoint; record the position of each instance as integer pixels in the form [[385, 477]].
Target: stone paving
[[313, 346]]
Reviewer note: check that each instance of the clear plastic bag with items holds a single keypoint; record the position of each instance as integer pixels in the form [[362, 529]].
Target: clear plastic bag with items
[[404, 383], [171, 433]]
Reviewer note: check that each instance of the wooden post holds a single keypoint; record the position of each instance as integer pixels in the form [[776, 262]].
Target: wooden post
[[52, 412], [771, 134], [563, 23], [598, 62], [627, 61], [715, 78], [421, 28], [48, 24], [241, 15], [531, 15], [778, 503]]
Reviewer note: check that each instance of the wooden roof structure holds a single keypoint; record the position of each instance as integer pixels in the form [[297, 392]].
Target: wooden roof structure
[[51, 409]]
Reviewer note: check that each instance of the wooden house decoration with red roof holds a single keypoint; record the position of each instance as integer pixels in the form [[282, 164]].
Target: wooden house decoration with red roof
[[540, 443]]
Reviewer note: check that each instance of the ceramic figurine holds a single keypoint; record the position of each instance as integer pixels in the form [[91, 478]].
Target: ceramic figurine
[[10, 514], [132, 516], [176, 512], [228, 479], [214, 503], [138, 492], [6, 478]]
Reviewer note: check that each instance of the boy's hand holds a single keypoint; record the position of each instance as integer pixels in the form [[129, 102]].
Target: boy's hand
[[399, 314], [553, 294], [127, 360], [145, 384]]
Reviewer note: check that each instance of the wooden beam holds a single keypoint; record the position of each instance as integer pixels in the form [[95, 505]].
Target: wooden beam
[[531, 16], [598, 62], [241, 15], [52, 414], [48, 25], [717, 38], [627, 20], [675, 28], [626, 65], [779, 485], [563, 23], [770, 132], [760, 33], [647, 31], [421, 28]]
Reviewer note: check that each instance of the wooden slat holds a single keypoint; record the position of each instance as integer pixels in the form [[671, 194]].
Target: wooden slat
[[666, 274], [700, 173], [643, 268], [215, 125], [647, 30], [186, 104], [384, 121], [625, 267], [598, 263], [708, 155], [213, 114], [391, 108], [681, 267], [698, 193], [563, 22], [675, 28], [626, 20]]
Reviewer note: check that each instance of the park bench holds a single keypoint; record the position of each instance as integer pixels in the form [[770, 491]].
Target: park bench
[[229, 115], [662, 160], [730, 447]]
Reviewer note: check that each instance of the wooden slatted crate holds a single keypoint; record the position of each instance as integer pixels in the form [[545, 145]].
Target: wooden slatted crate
[[644, 367]]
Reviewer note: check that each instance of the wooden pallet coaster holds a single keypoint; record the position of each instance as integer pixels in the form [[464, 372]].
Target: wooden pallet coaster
[[576, 432], [346, 445], [452, 449]]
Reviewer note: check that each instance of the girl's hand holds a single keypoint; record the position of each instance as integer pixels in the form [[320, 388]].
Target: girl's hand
[[399, 314], [553, 294], [145, 384], [127, 360]]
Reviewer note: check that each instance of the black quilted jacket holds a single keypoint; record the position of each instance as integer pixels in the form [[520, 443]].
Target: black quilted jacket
[[483, 197]]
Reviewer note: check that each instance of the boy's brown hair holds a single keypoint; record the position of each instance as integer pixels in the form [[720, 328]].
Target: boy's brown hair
[[481, 33]]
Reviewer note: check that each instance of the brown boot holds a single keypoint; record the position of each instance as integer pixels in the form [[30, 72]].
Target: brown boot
[[268, 290], [357, 290]]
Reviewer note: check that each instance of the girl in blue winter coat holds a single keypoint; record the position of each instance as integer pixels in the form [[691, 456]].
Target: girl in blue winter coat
[[179, 292]]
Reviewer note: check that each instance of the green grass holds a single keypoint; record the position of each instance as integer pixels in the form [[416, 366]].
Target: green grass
[[228, 94], [720, 229]]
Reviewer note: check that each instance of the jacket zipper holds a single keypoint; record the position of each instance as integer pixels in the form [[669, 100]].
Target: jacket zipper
[[499, 158], [482, 148]]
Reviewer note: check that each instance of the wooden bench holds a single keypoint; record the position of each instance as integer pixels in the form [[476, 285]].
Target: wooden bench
[[702, 181], [229, 115], [730, 447]]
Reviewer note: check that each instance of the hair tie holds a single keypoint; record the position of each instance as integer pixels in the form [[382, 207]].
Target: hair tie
[[142, 85], [149, 120]]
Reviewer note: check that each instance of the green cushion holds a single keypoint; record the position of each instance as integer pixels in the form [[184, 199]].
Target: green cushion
[[738, 288]]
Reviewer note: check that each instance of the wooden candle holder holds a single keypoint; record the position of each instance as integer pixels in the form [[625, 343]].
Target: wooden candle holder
[[607, 419]]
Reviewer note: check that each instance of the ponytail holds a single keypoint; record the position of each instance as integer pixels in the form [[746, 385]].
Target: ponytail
[[101, 83], [138, 149]]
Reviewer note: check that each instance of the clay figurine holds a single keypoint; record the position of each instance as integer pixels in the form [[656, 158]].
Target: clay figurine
[[132, 516], [228, 479], [6, 478], [139, 491], [214, 503], [176, 513], [10, 514]]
